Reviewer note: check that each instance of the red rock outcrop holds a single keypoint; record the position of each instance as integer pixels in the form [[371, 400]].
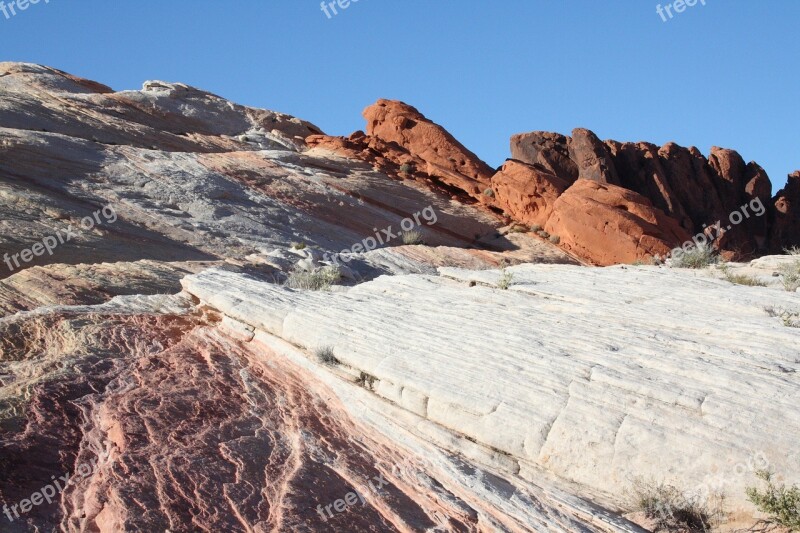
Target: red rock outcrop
[[446, 158], [785, 229], [695, 191], [607, 224], [526, 193], [545, 150], [592, 158], [690, 190]]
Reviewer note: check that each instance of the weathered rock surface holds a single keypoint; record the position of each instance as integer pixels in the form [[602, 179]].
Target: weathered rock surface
[[525, 192], [608, 224], [546, 150], [786, 226], [590, 155], [446, 158], [162, 347], [646, 384], [694, 191]]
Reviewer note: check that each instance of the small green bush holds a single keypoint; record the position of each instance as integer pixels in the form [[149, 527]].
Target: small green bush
[[489, 193], [412, 237], [555, 239], [320, 279], [543, 234], [536, 228], [782, 504], [518, 228], [697, 257], [298, 245], [790, 275], [505, 280], [405, 168]]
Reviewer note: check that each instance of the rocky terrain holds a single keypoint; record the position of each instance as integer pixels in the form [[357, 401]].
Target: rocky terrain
[[490, 350]]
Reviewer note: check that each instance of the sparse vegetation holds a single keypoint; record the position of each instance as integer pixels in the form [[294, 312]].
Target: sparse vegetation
[[740, 279], [367, 381], [555, 239], [518, 228], [697, 257], [505, 280], [319, 279], [790, 274], [543, 234], [794, 250], [536, 228], [673, 510], [325, 356], [406, 168], [412, 237], [298, 246], [489, 193], [790, 319], [782, 504]]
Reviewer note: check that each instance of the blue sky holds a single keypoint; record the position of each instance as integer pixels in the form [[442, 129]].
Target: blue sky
[[724, 74]]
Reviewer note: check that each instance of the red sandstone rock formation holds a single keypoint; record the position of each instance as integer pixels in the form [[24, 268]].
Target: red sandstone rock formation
[[689, 190], [694, 191], [526, 193], [446, 158], [606, 224], [785, 230], [546, 150]]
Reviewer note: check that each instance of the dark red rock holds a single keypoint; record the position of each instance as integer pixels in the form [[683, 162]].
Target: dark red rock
[[591, 157], [545, 150], [785, 230]]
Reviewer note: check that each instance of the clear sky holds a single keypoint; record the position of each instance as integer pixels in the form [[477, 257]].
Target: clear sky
[[726, 73]]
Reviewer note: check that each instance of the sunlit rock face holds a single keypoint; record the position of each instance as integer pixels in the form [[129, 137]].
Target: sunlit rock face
[[159, 372]]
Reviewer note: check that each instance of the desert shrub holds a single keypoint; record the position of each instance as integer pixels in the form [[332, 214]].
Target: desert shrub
[[325, 356], [405, 168], [489, 193], [741, 279], [367, 381], [518, 228], [319, 279], [780, 503], [298, 245], [794, 250], [412, 237], [671, 509], [536, 228], [790, 319], [697, 257], [505, 280], [543, 234], [555, 239], [790, 274]]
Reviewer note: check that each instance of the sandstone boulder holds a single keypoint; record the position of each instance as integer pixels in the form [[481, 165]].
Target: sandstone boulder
[[785, 231], [606, 224], [545, 150], [592, 158], [446, 158], [526, 193]]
